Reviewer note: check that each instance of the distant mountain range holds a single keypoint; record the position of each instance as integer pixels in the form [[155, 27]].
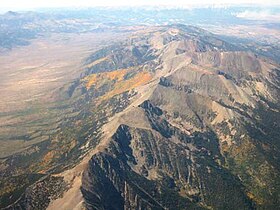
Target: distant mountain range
[[18, 28]]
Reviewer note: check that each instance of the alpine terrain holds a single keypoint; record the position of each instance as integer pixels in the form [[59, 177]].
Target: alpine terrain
[[168, 117]]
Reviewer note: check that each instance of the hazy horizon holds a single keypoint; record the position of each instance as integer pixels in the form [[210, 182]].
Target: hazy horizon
[[17, 5]]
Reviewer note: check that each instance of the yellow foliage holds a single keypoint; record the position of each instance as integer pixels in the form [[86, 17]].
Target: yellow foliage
[[139, 78], [48, 157], [113, 75], [125, 85], [90, 80], [256, 200]]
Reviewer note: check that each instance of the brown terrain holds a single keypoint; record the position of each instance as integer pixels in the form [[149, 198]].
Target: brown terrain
[[30, 74], [167, 117]]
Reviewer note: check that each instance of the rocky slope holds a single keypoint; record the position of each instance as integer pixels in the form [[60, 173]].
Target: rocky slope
[[202, 138], [181, 120]]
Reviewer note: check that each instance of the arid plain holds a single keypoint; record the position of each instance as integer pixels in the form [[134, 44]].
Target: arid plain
[[31, 74]]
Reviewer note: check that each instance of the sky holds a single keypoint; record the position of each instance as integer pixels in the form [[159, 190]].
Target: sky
[[31, 4]]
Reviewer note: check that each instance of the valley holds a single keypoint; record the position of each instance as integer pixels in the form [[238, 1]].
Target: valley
[[31, 77]]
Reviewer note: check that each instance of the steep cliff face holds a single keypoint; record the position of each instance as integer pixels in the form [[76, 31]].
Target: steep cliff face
[[148, 169]]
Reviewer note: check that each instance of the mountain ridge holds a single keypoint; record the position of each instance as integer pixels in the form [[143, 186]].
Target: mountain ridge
[[199, 129], [97, 165]]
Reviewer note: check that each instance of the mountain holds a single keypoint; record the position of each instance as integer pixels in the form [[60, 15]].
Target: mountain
[[260, 32], [174, 117]]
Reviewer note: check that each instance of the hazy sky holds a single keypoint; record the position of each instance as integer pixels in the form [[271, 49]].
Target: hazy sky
[[28, 4]]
